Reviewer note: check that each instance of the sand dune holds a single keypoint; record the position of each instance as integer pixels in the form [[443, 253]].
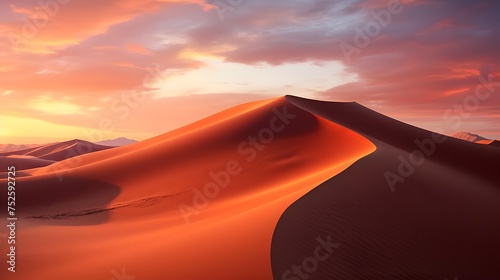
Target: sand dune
[[467, 136], [471, 137], [439, 222], [23, 162], [59, 151], [206, 196], [246, 193], [495, 143]]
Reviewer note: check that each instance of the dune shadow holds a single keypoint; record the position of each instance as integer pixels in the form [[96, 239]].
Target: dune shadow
[[74, 201], [437, 216]]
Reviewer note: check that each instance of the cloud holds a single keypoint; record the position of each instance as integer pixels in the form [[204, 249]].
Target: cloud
[[428, 58]]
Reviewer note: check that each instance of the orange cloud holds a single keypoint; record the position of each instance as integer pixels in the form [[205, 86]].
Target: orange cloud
[[49, 25], [137, 48]]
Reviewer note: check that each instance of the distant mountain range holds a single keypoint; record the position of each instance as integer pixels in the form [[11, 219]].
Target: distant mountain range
[[118, 142]]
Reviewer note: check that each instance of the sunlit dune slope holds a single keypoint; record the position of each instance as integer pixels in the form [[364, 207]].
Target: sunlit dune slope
[[200, 202]]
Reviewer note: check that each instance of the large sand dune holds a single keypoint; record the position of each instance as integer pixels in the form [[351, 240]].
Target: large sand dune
[[229, 197], [200, 202]]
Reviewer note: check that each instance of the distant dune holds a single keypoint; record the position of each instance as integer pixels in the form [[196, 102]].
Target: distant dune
[[118, 142], [59, 151], [495, 143], [248, 192], [467, 136], [22, 162]]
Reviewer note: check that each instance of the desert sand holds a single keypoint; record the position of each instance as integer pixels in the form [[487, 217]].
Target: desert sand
[[135, 206], [245, 193], [23, 162], [440, 222], [474, 138], [495, 143]]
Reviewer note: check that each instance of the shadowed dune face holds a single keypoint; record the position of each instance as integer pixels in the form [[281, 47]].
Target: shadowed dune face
[[44, 200], [209, 195], [440, 222], [22, 162], [466, 156], [495, 143]]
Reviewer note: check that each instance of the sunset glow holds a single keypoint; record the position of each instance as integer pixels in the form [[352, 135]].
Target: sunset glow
[[68, 64]]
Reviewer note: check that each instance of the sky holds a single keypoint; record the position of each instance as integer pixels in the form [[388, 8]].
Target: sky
[[102, 69]]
